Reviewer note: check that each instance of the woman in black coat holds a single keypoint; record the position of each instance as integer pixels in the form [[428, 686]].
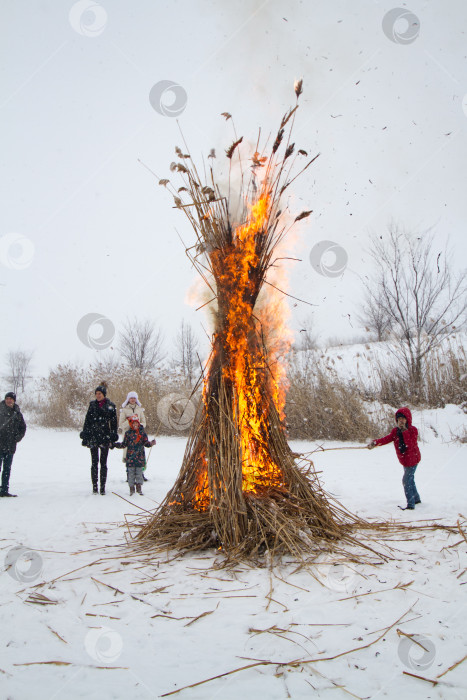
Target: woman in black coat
[[99, 431]]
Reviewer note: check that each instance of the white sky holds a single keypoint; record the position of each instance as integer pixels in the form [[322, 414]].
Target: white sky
[[76, 118]]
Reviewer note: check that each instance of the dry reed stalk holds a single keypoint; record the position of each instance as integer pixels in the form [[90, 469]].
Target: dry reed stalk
[[46, 663], [451, 668], [420, 678], [39, 599], [57, 634]]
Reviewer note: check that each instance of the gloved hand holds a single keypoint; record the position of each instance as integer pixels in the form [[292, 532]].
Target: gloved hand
[[371, 445], [153, 442], [114, 437], [82, 435]]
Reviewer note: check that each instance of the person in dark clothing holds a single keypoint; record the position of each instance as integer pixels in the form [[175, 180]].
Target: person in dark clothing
[[12, 430], [135, 441], [405, 439], [99, 432]]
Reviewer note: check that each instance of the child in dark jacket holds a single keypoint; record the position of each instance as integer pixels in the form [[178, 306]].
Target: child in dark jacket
[[405, 439], [135, 441]]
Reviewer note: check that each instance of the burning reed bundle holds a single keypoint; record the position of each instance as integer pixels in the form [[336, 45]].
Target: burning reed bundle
[[240, 488]]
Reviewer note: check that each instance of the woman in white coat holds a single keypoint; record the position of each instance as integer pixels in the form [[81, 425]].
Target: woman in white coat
[[130, 407]]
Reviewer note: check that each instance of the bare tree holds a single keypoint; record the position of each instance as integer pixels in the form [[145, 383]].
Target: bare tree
[[422, 297], [18, 362], [186, 346], [141, 345], [375, 317], [308, 339], [106, 364]]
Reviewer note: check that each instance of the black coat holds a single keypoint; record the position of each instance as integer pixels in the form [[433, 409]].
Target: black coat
[[100, 425], [12, 427]]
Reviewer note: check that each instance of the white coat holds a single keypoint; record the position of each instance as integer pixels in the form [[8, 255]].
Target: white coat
[[130, 410]]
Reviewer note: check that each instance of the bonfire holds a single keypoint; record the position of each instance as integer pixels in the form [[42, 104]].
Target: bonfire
[[241, 489]]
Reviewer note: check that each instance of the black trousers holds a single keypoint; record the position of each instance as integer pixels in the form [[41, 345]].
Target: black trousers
[[104, 451], [5, 460]]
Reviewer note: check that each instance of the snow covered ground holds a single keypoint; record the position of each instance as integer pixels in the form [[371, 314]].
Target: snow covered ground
[[116, 627]]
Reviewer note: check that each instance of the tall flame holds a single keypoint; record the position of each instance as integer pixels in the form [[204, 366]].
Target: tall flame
[[248, 368]]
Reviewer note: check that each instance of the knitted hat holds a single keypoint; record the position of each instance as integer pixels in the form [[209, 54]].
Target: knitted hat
[[101, 388], [131, 395], [10, 395], [133, 419]]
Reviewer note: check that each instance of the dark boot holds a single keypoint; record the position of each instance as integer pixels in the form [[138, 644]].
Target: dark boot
[[103, 478], [94, 475], [94, 467], [132, 490], [138, 489]]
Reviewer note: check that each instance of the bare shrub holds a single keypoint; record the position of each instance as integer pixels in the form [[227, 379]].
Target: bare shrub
[[63, 394], [460, 435], [66, 392], [320, 406], [443, 379]]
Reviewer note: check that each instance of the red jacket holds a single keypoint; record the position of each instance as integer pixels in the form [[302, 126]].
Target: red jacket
[[411, 456]]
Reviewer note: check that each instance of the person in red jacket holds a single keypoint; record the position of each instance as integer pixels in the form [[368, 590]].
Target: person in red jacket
[[405, 439]]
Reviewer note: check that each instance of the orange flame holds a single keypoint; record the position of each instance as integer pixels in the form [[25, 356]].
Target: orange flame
[[201, 498], [247, 368]]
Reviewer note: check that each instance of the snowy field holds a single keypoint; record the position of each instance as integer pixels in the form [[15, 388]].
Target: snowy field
[[83, 618]]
